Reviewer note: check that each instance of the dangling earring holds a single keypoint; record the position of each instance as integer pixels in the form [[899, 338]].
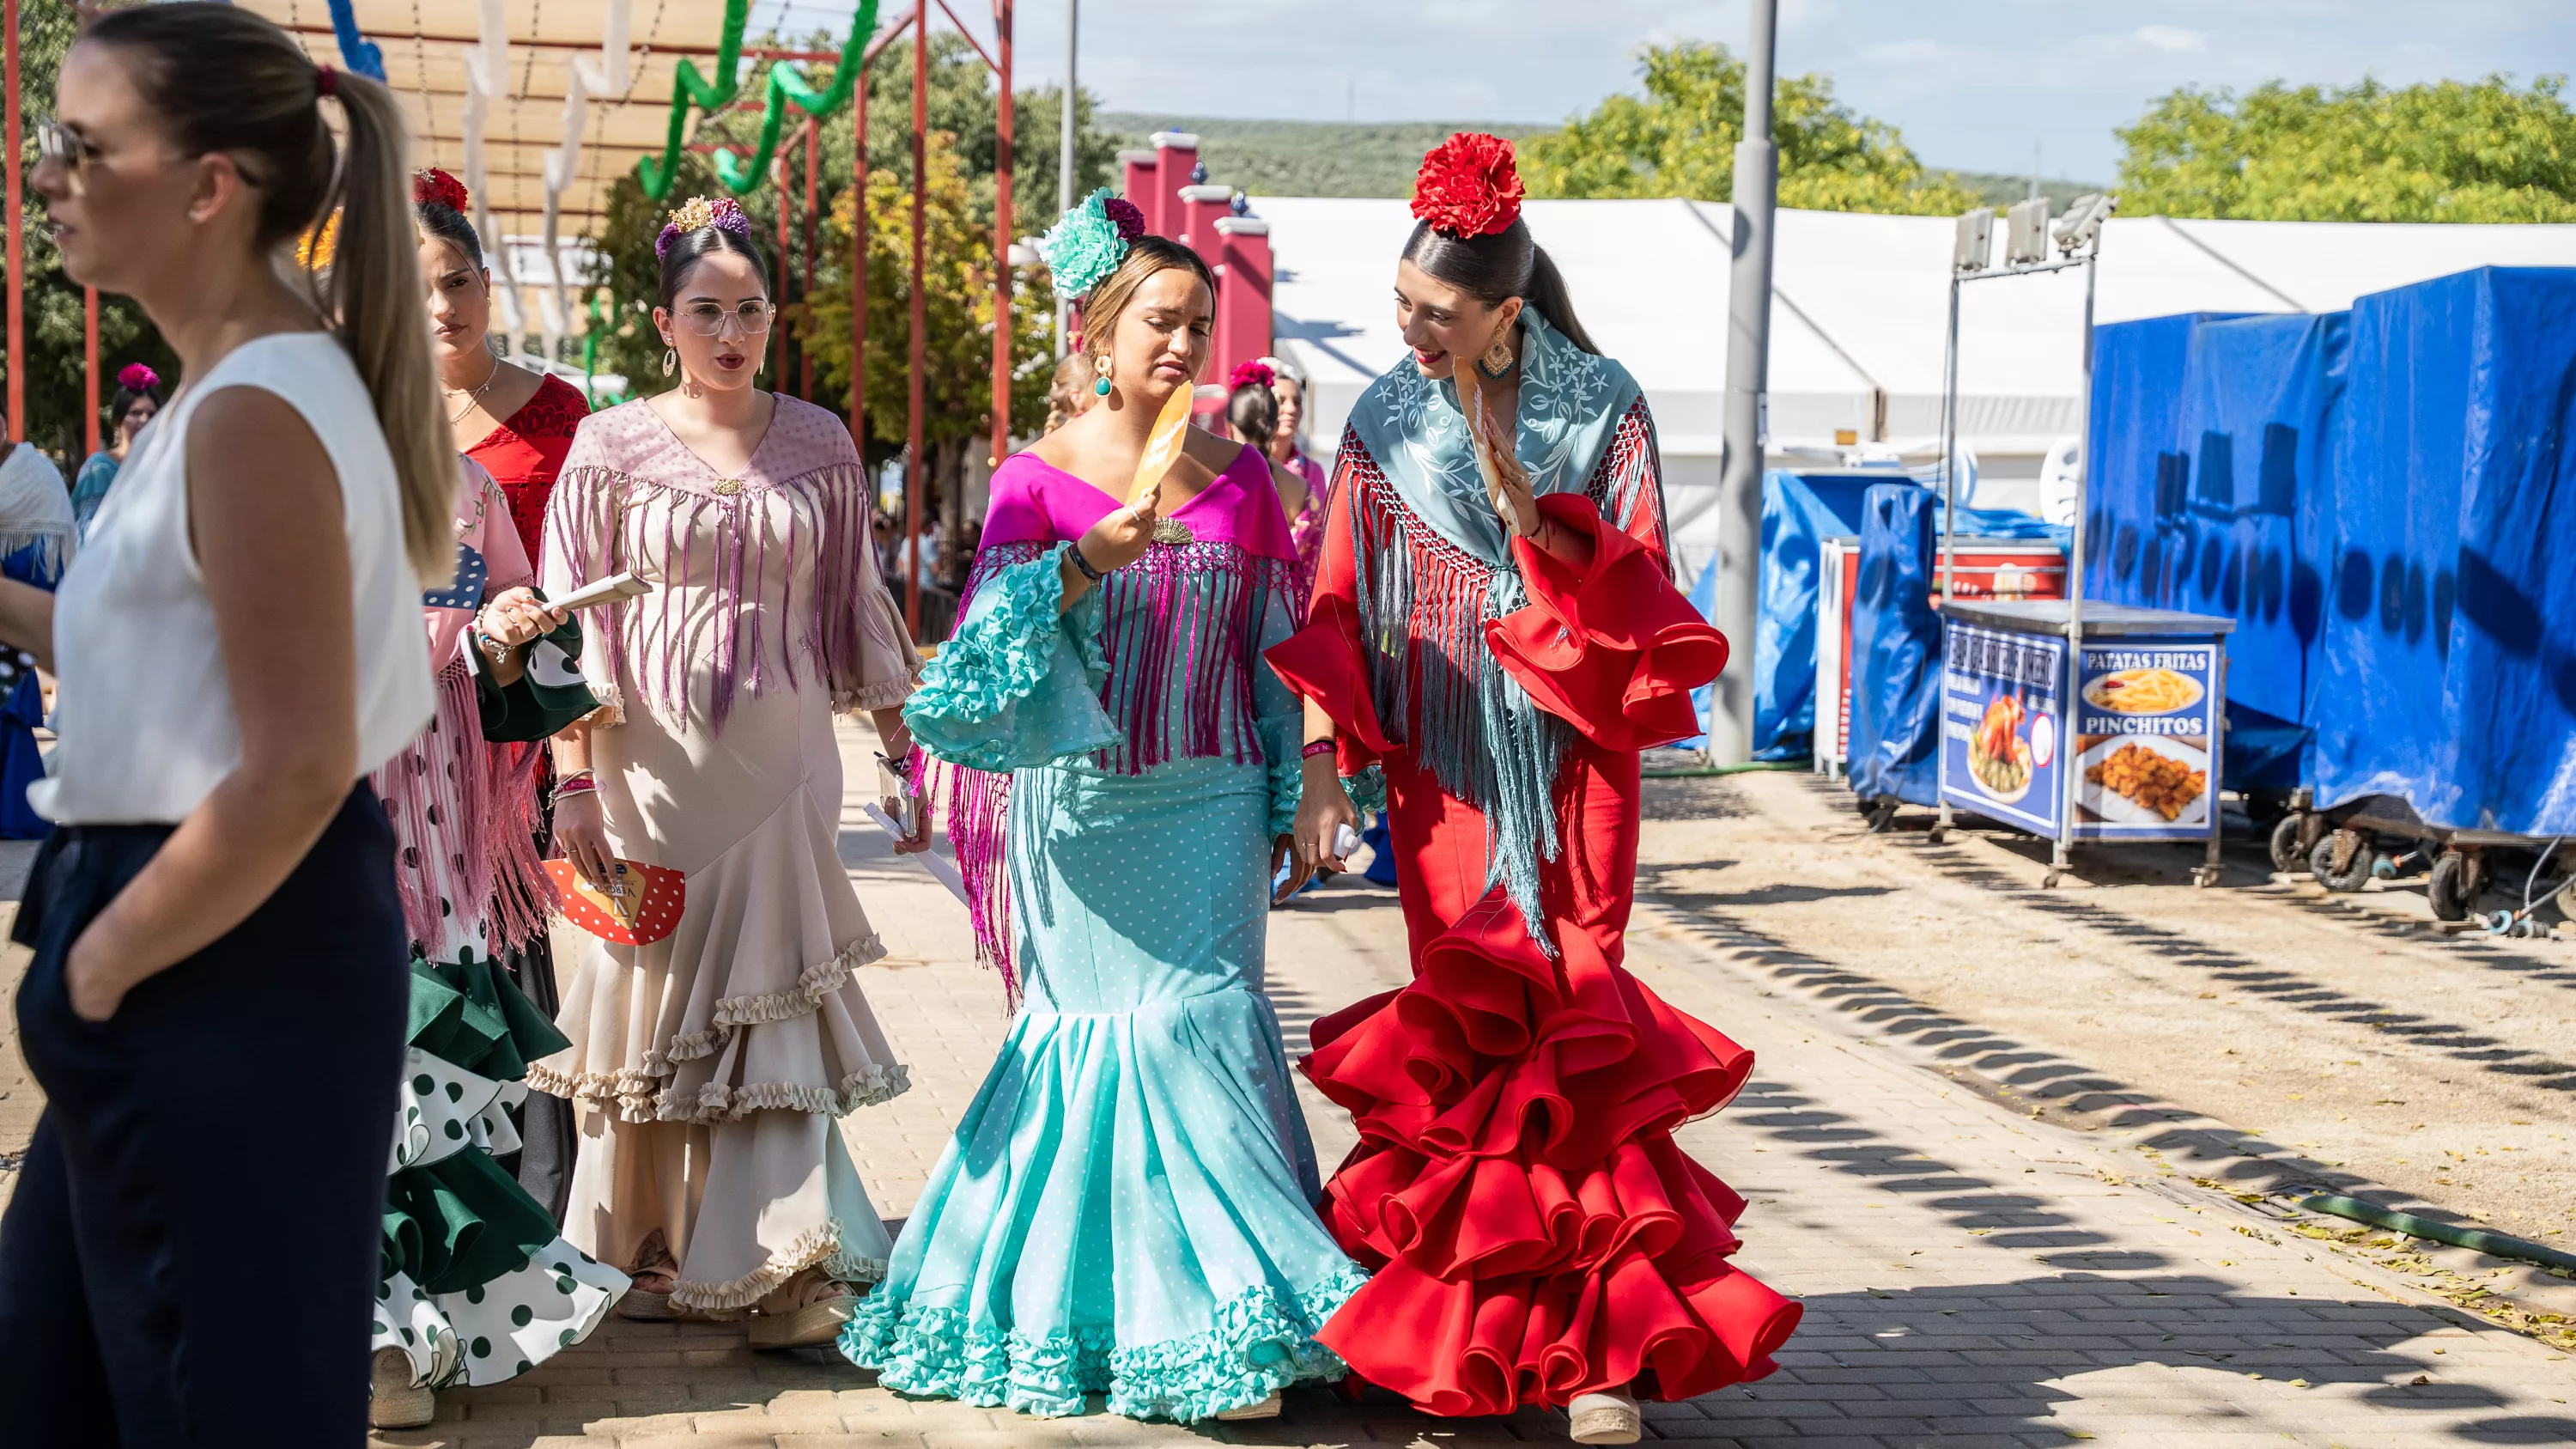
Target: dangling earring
[[1100, 388], [670, 361], [1498, 361]]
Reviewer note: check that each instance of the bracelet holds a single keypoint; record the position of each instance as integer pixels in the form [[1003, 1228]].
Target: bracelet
[[578, 785], [581, 774], [1084, 564], [493, 649], [1313, 748]]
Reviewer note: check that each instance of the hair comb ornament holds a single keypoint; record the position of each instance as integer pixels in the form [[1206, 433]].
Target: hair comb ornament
[[135, 377], [1245, 372], [1468, 186], [696, 214], [1087, 243], [319, 244], [432, 186]]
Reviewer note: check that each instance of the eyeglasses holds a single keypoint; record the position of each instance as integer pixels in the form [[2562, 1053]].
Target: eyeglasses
[[58, 142], [707, 319]]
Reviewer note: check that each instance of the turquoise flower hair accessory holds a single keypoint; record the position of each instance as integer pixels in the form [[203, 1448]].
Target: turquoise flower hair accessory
[[1087, 243]]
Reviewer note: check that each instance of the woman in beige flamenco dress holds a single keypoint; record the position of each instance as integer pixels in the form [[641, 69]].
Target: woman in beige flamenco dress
[[711, 1066]]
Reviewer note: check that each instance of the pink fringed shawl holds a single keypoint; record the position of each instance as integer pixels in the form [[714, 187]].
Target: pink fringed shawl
[[465, 808], [1182, 640], [764, 580]]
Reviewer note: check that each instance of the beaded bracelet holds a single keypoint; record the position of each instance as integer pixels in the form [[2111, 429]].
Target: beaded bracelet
[[1316, 747]]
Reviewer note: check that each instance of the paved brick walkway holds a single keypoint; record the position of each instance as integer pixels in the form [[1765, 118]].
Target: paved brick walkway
[[1972, 1276]]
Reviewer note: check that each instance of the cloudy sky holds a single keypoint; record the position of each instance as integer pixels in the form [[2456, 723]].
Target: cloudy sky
[[1972, 83]]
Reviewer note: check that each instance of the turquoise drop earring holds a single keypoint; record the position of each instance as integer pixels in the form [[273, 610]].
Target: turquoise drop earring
[[1100, 388]]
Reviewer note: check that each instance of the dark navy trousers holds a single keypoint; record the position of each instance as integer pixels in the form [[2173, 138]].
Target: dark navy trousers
[[192, 1251]]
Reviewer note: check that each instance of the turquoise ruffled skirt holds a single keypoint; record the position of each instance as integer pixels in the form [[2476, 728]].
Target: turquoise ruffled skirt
[[1126, 1208]]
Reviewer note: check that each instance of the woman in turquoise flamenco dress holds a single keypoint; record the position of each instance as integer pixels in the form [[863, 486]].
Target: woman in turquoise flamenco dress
[[1126, 1208]]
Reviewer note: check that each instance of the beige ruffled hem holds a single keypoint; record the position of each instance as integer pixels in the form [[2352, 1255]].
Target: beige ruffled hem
[[640, 1095], [879, 696], [817, 1245]]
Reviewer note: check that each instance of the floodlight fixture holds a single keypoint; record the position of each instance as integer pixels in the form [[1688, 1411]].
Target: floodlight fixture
[[2081, 227], [2026, 233], [1974, 251]]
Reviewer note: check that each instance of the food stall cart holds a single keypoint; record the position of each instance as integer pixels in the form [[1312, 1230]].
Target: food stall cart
[[2118, 743], [1986, 568]]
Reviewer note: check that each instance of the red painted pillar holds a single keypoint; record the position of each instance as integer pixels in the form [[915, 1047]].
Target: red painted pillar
[[17, 228], [813, 179], [785, 273], [1243, 291], [915, 463], [1200, 208], [1137, 171], [859, 265], [1175, 153], [89, 373], [1003, 225]]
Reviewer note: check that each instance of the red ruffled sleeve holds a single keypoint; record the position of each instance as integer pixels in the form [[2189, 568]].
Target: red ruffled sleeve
[[1610, 647], [1322, 661]]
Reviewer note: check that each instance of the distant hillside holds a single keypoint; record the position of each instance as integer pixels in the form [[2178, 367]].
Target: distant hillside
[[1306, 158], [2002, 190], [1335, 158]]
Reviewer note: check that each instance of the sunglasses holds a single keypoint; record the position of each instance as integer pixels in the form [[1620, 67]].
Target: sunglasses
[[58, 142]]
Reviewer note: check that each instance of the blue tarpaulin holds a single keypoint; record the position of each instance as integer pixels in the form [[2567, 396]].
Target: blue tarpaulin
[[2446, 667], [1798, 511], [1896, 650], [2211, 433]]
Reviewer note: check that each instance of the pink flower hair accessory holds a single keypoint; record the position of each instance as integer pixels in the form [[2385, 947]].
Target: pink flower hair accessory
[[135, 377], [724, 213], [1251, 372]]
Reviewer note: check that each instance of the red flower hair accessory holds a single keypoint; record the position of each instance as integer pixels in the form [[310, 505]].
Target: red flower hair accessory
[[1468, 186], [435, 186], [1251, 372]]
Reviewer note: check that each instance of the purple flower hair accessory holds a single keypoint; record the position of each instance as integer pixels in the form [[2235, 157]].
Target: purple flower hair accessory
[[1126, 215], [135, 377], [723, 213]]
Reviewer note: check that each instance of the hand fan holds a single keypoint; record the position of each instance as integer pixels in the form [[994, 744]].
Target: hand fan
[[1162, 448], [641, 905]]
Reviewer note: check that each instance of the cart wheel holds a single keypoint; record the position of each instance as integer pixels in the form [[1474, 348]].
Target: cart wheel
[[2356, 854], [1938, 833], [2455, 885], [2287, 857], [2048, 881], [1882, 815]]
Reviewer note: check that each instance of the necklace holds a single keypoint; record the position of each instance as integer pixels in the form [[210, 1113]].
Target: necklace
[[476, 396]]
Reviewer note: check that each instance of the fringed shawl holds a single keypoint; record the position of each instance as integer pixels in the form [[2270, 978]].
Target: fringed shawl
[[463, 808], [1434, 567], [36, 511], [1182, 639], [764, 580]]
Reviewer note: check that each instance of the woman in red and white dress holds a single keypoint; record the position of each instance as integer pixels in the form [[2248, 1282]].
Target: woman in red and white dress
[[1496, 633]]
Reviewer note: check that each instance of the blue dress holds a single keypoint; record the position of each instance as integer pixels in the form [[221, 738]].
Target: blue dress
[[1126, 1207]]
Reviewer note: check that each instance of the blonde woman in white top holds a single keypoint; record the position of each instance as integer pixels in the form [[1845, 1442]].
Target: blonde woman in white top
[[216, 1008]]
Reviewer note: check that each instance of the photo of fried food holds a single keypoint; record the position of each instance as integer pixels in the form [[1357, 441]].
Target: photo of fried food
[[2143, 691], [2156, 782], [1998, 757]]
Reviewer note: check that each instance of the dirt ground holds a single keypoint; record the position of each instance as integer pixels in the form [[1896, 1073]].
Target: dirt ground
[[2352, 1043]]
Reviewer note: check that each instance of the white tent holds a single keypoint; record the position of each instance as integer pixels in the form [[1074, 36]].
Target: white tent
[[1861, 310]]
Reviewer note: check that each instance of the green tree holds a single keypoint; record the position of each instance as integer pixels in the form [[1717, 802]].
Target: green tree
[[2445, 151], [963, 103], [55, 362], [1678, 139]]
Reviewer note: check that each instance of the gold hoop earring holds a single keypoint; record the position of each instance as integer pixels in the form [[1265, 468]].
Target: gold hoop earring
[[670, 361]]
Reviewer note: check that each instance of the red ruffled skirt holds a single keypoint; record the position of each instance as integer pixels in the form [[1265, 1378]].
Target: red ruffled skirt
[[1533, 1232]]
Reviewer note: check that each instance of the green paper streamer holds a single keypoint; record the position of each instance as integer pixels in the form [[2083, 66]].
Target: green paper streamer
[[689, 88]]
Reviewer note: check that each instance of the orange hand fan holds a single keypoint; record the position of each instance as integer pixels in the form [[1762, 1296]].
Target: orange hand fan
[[1162, 447], [641, 905]]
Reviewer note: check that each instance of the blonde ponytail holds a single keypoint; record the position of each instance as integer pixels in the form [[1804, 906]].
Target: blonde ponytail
[[373, 295]]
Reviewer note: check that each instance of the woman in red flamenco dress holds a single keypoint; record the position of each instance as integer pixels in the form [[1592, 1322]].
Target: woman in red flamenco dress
[[1495, 631]]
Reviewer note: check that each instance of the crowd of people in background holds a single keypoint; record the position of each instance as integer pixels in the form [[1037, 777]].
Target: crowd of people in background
[[384, 664]]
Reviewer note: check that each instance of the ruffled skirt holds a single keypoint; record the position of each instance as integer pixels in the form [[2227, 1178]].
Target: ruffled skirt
[[1125, 1208], [1534, 1233], [711, 1065]]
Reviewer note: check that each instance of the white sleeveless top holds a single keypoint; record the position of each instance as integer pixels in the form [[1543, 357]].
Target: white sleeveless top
[[143, 707]]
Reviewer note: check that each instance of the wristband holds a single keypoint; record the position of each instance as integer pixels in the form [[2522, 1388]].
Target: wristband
[[1313, 748], [1084, 564], [578, 785]]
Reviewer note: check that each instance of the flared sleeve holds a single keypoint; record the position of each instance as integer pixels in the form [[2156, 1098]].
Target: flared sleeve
[[1018, 684]]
